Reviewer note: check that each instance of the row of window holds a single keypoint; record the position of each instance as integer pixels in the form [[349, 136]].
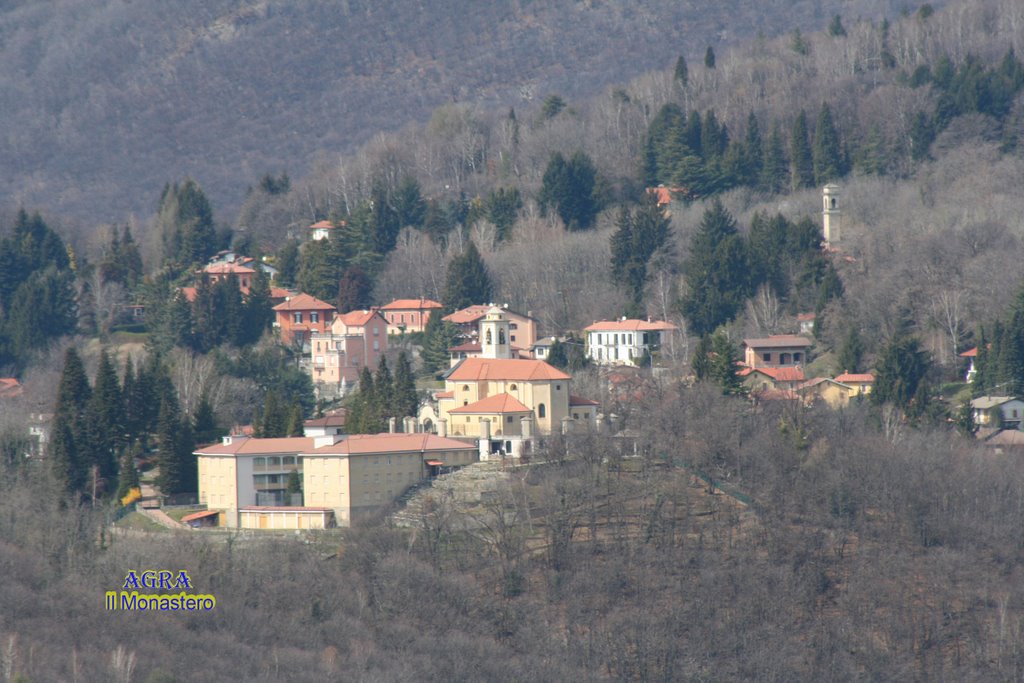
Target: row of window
[[276, 461], [785, 358]]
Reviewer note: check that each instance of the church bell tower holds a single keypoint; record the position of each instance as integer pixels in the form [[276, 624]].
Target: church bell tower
[[831, 216], [494, 339]]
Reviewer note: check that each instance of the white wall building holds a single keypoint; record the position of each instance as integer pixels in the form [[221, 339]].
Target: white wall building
[[623, 341]]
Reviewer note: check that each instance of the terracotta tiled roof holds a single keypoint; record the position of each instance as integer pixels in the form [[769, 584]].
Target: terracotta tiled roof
[[322, 225], [280, 293], [479, 369], [190, 293], [475, 312], [303, 302], [410, 304], [390, 443], [326, 421], [357, 318], [820, 380], [199, 515], [630, 326], [250, 446], [499, 403], [226, 268], [663, 194], [806, 317], [778, 341], [10, 387], [444, 394], [970, 353], [580, 401], [778, 374], [467, 347], [848, 377]]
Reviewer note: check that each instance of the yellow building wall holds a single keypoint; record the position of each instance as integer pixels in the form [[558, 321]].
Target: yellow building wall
[[553, 394], [218, 481]]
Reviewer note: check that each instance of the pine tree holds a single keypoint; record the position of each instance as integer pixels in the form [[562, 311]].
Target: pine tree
[[557, 355], [174, 448], [701, 362], [274, 419], [717, 272], [828, 155], [438, 336], [62, 455], [204, 421], [384, 392], [801, 160], [185, 222], [723, 363], [127, 475], [502, 207], [295, 421], [105, 417], [410, 208], [851, 353], [468, 281], [288, 263], [257, 311], [682, 73], [709, 58], [406, 399], [570, 189], [835, 27], [775, 167], [355, 290], [901, 371]]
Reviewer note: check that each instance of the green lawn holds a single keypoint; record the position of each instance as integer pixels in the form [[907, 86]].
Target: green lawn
[[138, 522]]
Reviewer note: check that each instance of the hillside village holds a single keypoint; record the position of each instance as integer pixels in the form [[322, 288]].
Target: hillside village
[[717, 374]]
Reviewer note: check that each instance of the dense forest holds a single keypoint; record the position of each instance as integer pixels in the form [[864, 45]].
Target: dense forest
[[106, 101], [739, 540]]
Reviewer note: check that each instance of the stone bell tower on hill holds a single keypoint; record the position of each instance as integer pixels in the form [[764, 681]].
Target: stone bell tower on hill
[[831, 216]]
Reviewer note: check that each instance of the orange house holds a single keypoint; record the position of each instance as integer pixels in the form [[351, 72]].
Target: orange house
[[408, 315], [300, 316]]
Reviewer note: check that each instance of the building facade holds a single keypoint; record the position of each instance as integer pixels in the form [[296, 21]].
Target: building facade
[[300, 317], [355, 340], [624, 341], [409, 315]]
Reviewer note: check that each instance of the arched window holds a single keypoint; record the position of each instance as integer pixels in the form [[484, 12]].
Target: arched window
[[512, 387], [488, 337], [541, 410], [501, 336], [465, 387]]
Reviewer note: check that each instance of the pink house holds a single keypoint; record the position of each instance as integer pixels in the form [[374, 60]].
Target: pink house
[[408, 315], [301, 316], [355, 340]]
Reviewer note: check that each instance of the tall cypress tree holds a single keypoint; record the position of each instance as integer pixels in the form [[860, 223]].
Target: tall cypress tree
[[105, 418], [384, 391], [406, 400], [800, 158], [682, 73]]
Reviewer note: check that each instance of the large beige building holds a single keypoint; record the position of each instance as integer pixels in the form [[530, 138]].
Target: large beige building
[[343, 477], [506, 399]]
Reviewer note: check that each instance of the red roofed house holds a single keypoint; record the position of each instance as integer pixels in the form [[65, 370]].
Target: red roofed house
[[861, 383], [776, 351], [761, 379], [355, 340], [344, 478], [10, 387], [300, 316], [834, 394], [624, 342], [971, 355], [215, 272], [522, 329], [504, 400], [408, 315]]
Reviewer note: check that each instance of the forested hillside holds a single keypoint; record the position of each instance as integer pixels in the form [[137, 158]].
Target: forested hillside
[[106, 101]]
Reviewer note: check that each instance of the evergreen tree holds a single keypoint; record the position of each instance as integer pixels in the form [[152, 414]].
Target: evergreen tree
[[128, 476], [701, 362], [288, 263], [295, 421], [723, 364], [637, 237], [775, 167], [709, 58], [406, 400], [274, 419], [557, 355], [851, 353], [385, 222], [827, 158], [384, 393], [571, 189], [174, 448], [835, 27], [922, 133], [320, 269], [105, 419], [364, 415], [294, 484], [798, 44], [682, 73], [185, 222], [501, 207], [62, 455], [801, 159], [717, 272], [438, 336], [355, 290], [410, 208], [468, 281], [204, 421], [901, 371], [753, 148], [257, 311]]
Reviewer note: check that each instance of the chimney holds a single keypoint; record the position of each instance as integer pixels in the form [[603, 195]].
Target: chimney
[[391, 425], [442, 427]]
